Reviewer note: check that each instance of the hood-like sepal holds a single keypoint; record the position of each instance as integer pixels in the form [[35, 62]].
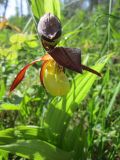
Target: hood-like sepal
[[49, 27]]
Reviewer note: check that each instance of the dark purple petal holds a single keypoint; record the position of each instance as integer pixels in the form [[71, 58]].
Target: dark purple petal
[[70, 58], [67, 57]]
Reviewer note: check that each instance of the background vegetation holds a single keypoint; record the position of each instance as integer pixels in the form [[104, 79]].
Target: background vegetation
[[85, 124]]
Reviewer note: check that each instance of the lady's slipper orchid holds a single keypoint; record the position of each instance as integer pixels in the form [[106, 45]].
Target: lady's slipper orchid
[[52, 74]]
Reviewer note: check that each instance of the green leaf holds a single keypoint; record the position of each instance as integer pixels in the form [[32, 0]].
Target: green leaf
[[9, 106], [3, 155], [2, 89], [29, 142], [36, 149], [52, 6], [117, 90], [82, 83], [11, 135], [39, 8]]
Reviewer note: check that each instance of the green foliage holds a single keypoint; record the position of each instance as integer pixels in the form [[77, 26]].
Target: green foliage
[[63, 109], [85, 123], [21, 39], [17, 141], [37, 149]]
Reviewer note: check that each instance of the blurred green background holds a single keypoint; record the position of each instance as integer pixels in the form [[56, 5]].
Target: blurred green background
[[36, 125]]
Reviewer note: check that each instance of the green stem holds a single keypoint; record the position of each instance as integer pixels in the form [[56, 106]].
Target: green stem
[[110, 10]]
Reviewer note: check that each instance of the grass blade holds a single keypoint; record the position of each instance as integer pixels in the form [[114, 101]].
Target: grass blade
[[117, 90]]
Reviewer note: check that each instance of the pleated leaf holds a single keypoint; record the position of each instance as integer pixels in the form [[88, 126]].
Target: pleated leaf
[[36, 149], [30, 142]]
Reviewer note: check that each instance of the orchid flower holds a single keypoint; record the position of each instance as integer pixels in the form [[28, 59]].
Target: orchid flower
[[52, 75]]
